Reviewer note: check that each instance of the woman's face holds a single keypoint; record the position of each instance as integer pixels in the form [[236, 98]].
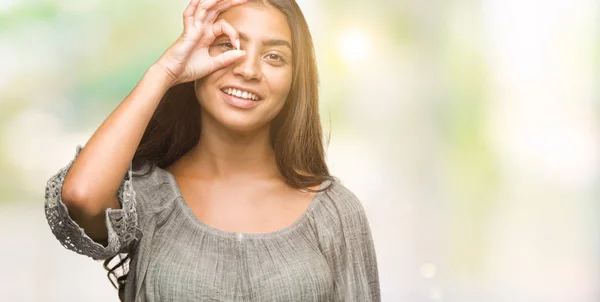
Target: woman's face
[[265, 71]]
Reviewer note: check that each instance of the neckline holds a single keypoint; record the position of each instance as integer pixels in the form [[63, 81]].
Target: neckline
[[239, 235]]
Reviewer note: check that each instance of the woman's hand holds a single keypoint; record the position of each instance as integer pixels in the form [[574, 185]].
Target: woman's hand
[[188, 58]]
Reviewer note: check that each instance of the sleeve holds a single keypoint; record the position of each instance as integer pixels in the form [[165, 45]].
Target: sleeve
[[349, 249], [120, 223]]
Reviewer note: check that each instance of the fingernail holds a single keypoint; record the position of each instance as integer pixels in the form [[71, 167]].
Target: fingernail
[[237, 43]]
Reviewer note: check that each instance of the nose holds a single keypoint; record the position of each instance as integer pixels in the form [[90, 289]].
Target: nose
[[248, 67]]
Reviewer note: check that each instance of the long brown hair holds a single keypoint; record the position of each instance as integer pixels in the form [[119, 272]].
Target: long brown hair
[[296, 134]]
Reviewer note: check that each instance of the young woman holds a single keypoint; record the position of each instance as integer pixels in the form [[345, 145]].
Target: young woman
[[211, 176]]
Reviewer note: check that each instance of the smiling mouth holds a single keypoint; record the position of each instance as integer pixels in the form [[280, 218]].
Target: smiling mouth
[[246, 95]]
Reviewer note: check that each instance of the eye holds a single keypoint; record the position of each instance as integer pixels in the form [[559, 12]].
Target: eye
[[225, 44], [275, 57]]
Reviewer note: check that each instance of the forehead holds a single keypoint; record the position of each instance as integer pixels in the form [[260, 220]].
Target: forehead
[[258, 21]]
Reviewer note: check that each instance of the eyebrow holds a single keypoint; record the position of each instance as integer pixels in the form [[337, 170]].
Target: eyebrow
[[270, 42]]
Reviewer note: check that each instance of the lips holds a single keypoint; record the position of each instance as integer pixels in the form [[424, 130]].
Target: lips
[[234, 89], [239, 102], [244, 94]]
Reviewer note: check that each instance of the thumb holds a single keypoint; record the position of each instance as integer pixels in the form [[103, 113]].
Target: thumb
[[227, 58]]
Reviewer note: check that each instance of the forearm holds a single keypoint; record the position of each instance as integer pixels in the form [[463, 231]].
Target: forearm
[[97, 172]]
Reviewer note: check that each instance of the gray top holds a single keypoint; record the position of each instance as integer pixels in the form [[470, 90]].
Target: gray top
[[325, 255]]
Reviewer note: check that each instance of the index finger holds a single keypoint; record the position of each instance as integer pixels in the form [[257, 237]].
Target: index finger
[[188, 14], [203, 7], [212, 14]]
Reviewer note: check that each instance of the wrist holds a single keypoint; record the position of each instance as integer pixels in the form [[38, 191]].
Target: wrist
[[159, 76]]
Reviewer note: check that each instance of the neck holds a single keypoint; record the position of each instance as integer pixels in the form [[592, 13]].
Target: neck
[[223, 153]]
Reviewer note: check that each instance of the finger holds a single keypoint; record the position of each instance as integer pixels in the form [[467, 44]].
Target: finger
[[222, 27], [212, 14], [202, 9], [188, 14], [226, 58]]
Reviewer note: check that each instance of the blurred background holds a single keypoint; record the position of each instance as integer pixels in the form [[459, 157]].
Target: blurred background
[[469, 129]]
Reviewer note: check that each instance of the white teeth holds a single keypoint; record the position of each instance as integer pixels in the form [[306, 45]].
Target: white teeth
[[241, 94]]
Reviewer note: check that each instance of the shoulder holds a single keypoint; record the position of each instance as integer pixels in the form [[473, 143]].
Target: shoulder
[[340, 220], [342, 198], [154, 187], [338, 204]]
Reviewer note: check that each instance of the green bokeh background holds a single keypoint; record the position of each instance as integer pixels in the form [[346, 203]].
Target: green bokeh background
[[468, 128]]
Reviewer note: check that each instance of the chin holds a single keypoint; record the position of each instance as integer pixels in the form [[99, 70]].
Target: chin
[[241, 123]]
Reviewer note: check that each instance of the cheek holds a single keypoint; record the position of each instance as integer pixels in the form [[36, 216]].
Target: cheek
[[201, 93], [281, 84], [206, 87]]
